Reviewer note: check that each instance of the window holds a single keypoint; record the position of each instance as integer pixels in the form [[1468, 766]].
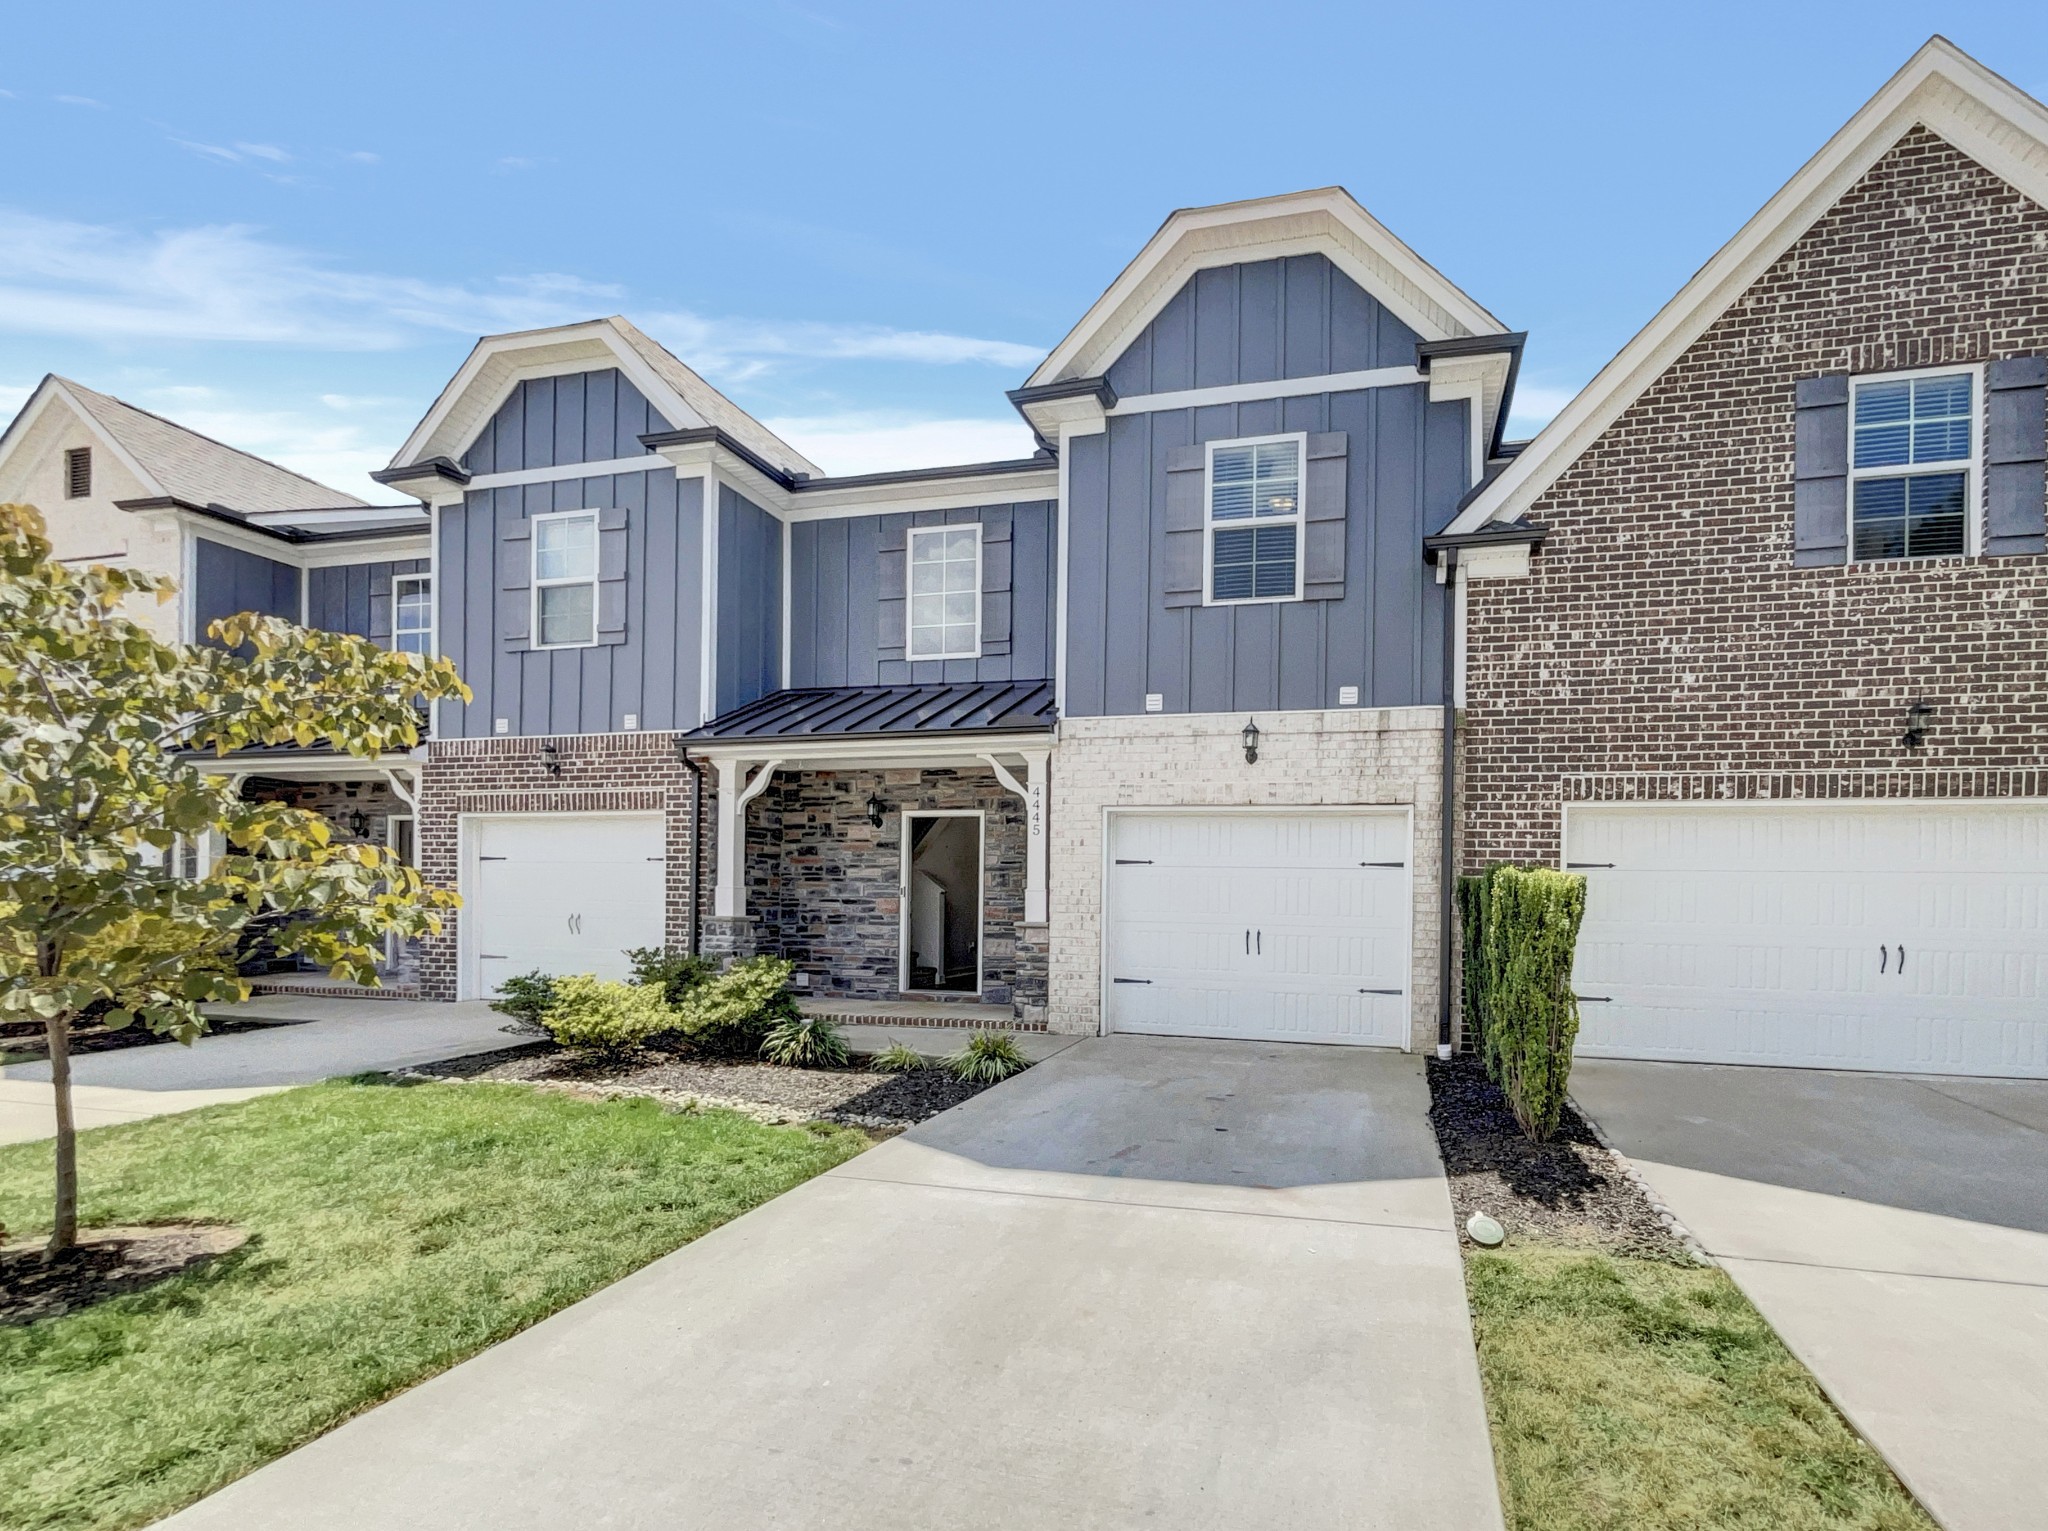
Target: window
[[399, 838], [1255, 519], [945, 592], [412, 614], [78, 473], [565, 580], [1912, 465]]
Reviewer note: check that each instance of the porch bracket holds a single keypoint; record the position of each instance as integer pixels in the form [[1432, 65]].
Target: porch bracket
[[408, 795], [729, 901], [1032, 790]]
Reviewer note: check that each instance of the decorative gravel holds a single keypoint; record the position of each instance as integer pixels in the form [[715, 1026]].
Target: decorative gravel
[[1570, 1190], [856, 1097]]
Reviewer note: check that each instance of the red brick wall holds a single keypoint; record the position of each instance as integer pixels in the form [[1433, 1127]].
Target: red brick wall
[[638, 772], [1665, 646]]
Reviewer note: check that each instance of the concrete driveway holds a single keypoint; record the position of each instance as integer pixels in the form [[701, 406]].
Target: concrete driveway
[[1175, 1283], [1894, 1230], [326, 1038]]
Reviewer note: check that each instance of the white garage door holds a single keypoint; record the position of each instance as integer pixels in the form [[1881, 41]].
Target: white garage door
[[1274, 926], [1907, 937], [561, 892]]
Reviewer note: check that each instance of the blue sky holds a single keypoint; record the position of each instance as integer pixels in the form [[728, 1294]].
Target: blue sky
[[286, 224]]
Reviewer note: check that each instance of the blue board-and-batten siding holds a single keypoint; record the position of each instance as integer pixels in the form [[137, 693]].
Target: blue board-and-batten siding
[[1260, 321], [1406, 473], [228, 580], [654, 673], [749, 651], [356, 598], [546, 422], [835, 601]]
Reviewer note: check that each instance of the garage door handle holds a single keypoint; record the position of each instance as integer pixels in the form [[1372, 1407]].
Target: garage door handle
[[1884, 954], [1383, 863], [1902, 959], [1382, 991], [1130, 980], [1594, 999], [1128, 861], [494, 858], [1576, 866], [494, 956]]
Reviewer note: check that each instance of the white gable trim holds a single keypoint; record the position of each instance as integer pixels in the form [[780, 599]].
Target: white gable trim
[[1941, 88], [499, 363], [53, 388], [1328, 222]]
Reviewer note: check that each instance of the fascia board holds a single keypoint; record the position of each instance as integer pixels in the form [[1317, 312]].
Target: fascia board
[[1328, 222], [53, 388], [1940, 88]]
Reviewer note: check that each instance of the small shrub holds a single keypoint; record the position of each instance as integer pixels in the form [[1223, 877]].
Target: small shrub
[[733, 1012], [675, 973], [805, 1041], [899, 1059], [1529, 1015], [605, 1015], [988, 1057], [526, 998]]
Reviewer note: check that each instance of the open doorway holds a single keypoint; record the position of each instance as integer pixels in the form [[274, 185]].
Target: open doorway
[[942, 902]]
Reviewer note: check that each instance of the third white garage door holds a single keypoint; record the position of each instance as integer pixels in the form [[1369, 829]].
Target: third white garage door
[[1902, 937], [1286, 926]]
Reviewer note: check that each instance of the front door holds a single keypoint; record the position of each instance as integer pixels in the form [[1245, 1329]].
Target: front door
[[941, 902]]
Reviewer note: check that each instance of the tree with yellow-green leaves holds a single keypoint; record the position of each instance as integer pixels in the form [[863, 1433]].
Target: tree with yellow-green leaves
[[102, 727]]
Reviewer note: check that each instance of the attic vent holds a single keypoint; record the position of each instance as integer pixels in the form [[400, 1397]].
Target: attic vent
[[78, 473]]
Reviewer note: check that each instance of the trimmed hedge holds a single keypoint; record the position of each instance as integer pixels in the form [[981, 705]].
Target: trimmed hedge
[[1521, 927]]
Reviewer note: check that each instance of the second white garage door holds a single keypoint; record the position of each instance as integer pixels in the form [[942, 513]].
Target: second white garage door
[[561, 893], [1909, 936], [1284, 926]]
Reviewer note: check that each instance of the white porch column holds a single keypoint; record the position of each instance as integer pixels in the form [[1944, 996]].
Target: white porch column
[[1032, 790], [729, 900]]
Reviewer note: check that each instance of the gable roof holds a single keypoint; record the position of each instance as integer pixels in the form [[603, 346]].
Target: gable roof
[[1940, 88], [497, 362], [1328, 222], [176, 462]]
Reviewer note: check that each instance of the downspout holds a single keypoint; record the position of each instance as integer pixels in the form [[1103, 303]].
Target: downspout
[[696, 846], [1447, 878]]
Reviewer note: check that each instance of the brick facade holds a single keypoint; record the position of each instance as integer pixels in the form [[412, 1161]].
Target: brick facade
[[1351, 756], [1665, 647], [600, 773]]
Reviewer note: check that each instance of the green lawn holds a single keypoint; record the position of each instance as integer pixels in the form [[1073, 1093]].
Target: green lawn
[[1633, 1395], [394, 1231]]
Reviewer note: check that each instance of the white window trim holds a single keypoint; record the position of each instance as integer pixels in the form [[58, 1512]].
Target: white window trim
[[1972, 466], [597, 564], [910, 562], [1299, 519], [433, 610], [391, 823]]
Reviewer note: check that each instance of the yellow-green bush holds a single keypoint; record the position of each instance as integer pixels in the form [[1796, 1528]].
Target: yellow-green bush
[[605, 1015], [735, 1010]]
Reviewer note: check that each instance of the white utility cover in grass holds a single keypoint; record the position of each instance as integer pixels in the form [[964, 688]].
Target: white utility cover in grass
[[1901, 937], [560, 892], [1271, 926]]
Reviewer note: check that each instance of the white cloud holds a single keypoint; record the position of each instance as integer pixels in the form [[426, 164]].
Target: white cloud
[[98, 106], [270, 152], [339, 452], [728, 345], [879, 443], [1535, 405], [362, 156], [14, 395]]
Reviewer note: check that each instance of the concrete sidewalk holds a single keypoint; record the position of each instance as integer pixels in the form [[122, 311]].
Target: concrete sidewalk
[[1151, 1282], [326, 1038], [1893, 1229]]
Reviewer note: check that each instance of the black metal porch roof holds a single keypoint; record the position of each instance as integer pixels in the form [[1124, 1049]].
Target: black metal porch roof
[[861, 712]]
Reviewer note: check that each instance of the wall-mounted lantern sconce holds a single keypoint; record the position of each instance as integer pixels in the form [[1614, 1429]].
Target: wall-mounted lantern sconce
[[877, 810], [1251, 742], [358, 823], [550, 758], [1917, 715]]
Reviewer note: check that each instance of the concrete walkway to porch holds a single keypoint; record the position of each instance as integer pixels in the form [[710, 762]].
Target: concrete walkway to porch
[[1159, 1282]]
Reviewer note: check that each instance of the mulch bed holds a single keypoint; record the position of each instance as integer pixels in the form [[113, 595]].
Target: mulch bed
[[1569, 1190], [855, 1097], [108, 1262]]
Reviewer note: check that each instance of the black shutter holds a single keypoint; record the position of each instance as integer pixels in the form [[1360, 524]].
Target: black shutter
[[1324, 493], [1187, 482], [2015, 443], [890, 602], [1820, 471], [996, 578], [515, 573], [611, 574]]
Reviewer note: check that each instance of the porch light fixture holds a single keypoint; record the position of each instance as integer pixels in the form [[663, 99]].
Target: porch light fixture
[[358, 823], [1251, 742], [877, 810], [550, 758], [1916, 725]]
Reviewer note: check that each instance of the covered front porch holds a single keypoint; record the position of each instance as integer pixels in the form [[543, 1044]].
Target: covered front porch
[[888, 841], [367, 802]]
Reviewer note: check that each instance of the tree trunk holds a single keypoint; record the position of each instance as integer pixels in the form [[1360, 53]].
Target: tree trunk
[[64, 1231]]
